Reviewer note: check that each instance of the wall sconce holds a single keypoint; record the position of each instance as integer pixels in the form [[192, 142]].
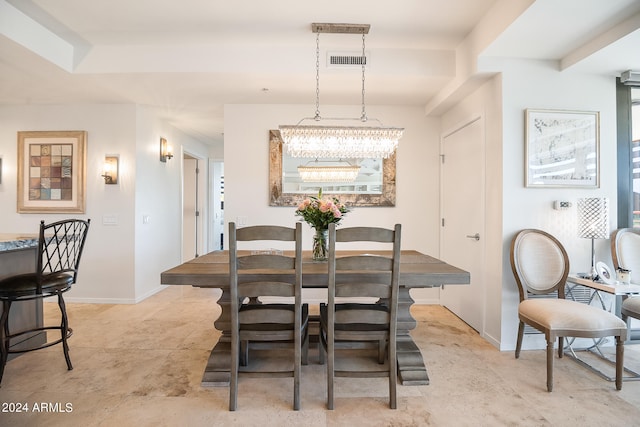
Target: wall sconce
[[0, 170], [166, 152], [110, 170]]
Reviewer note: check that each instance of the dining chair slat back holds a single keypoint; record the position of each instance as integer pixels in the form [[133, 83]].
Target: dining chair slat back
[[253, 319], [361, 307]]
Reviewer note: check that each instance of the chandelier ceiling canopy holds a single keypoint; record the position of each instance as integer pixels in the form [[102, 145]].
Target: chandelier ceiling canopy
[[319, 141]]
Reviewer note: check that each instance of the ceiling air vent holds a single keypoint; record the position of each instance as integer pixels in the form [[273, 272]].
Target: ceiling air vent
[[347, 59]]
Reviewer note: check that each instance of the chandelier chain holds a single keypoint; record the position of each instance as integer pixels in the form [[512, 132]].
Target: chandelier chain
[[317, 116], [344, 142], [363, 117]]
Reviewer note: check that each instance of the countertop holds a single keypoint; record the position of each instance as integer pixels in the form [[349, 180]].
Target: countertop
[[12, 242]]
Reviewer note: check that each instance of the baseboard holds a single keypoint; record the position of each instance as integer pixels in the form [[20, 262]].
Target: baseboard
[[426, 301], [115, 300], [492, 340]]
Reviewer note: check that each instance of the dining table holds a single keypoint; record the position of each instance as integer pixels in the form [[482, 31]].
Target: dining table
[[417, 270]]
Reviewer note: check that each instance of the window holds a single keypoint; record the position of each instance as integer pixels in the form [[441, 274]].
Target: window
[[635, 154], [628, 129]]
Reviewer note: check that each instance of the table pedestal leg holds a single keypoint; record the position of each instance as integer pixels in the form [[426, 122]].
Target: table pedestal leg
[[411, 368], [217, 371]]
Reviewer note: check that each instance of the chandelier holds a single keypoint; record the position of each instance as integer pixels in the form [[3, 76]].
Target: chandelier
[[331, 173], [358, 142]]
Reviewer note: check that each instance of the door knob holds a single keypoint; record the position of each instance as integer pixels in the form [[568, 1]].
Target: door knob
[[476, 236]]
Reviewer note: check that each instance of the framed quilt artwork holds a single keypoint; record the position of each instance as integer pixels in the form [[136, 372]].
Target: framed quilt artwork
[[51, 171]]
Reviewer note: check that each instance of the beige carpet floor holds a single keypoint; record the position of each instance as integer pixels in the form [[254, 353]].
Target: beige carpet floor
[[141, 365]]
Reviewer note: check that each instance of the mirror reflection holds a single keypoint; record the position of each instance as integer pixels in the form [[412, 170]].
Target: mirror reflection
[[304, 175], [356, 182]]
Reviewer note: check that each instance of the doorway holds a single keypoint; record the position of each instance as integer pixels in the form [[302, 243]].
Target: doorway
[[192, 202], [462, 228]]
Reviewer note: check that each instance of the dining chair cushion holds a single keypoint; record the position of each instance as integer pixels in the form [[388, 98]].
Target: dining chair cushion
[[631, 307], [570, 318]]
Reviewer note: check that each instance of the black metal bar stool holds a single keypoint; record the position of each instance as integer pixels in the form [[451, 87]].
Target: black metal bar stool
[[60, 246]]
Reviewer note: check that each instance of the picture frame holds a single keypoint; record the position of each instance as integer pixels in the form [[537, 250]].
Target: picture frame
[[51, 171], [562, 148], [605, 274], [279, 197]]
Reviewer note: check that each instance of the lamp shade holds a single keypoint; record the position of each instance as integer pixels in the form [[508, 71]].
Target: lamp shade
[[593, 217]]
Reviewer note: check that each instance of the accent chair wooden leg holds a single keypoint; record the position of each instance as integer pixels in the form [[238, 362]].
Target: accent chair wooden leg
[[520, 336], [560, 347], [619, 362], [550, 364]]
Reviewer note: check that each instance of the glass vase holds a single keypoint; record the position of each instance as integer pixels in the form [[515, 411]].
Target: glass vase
[[320, 244]]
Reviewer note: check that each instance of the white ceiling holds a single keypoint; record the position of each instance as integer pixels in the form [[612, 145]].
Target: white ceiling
[[190, 58]]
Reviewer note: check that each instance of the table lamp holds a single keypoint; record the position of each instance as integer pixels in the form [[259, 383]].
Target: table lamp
[[593, 223]]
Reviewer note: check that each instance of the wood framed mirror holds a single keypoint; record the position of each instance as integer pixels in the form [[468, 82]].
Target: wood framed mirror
[[375, 184]]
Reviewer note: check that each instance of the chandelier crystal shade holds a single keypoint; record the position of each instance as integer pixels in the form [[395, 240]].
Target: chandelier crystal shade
[[356, 142]]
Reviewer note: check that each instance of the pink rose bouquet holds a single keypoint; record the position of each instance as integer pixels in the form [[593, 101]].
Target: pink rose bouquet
[[319, 212]]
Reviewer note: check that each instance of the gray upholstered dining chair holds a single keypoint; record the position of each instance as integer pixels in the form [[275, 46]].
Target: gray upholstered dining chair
[[60, 246], [540, 266], [351, 325], [253, 320], [625, 252]]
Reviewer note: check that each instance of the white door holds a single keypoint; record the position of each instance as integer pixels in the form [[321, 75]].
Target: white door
[[189, 208], [462, 228], [216, 184]]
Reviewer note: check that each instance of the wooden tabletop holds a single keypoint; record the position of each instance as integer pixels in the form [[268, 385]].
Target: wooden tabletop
[[416, 271]]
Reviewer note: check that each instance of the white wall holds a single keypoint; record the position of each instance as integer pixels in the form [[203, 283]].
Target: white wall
[[246, 155], [121, 263], [538, 85], [108, 263], [158, 198]]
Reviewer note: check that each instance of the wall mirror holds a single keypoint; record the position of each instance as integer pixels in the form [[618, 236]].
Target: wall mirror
[[375, 184]]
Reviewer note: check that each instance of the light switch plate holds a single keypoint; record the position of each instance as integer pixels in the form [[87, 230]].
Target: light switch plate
[[109, 219]]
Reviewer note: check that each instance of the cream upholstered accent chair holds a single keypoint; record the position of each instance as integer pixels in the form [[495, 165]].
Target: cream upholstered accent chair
[[625, 252], [540, 266], [253, 320]]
